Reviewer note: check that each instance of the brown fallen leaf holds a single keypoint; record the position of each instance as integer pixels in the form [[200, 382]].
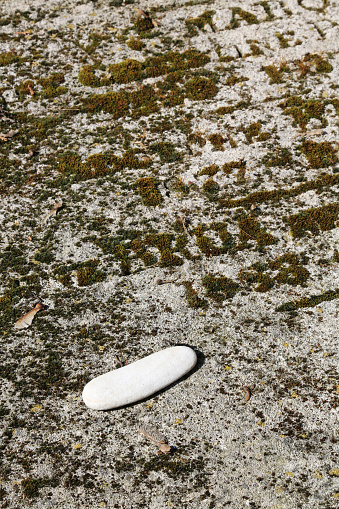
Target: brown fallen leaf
[[10, 134], [156, 437], [31, 91], [53, 212], [142, 14], [26, 320], [315, 132]]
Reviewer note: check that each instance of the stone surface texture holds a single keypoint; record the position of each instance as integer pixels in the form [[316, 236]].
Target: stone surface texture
[[203, 147]]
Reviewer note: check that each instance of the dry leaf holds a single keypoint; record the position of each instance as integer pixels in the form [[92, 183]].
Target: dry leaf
[[53, 212], [26, 320], [315, 132], [154, 435], [31, 91], [142, 13], [10, 134]]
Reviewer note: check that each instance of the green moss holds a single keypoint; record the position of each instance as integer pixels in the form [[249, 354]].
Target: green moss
[[51, 85], [293, 275], [71, 163], [199, 89], [291, 271], [192, 297], [335, 103], [115, 103], [88, 274], [126, 72], [166, 151], [298, 116], [323, 66], [162, 241], [217, 141], [135, 44], [275, 73], [251, 230], [207, 247], [181, 242], [252, 130], [202, 20], [282, 41], [237, 13], [210, 170], [255, 50], [211, 189], [307, 302], [8, 58], [319, 155], [302, 112], [87, 76], [144, 101], [313, 220], [219, 288], [143, 24], [324, 181], [98, 163], [169, 259], [233, 80], [148, 191], [282, 157], [198, 139], [228, 167], [24, 89]]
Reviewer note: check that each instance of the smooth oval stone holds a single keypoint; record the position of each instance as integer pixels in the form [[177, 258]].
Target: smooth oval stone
[[140, 379]]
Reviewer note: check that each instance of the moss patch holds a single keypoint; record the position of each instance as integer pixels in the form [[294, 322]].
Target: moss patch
[[148, 191], [219, 288], [319, 155], [313, 220]]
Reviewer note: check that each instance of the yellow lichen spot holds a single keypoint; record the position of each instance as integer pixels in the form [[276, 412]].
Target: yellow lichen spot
[[258, 359], [286, 344], [228, 368], [303, 435], [169, 503], [261, 424], [317, 474], [336, 495], [150, 404], [278, 490], [36, 408], [128, 300], [290, 474], [202, 313], [326, 354], [76, 446], [334, 471], [282, 436], [101, 348], [178, 421], [295, 395]]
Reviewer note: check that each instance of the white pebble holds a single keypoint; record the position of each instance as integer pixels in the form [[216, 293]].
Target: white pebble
[[140, 379]]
